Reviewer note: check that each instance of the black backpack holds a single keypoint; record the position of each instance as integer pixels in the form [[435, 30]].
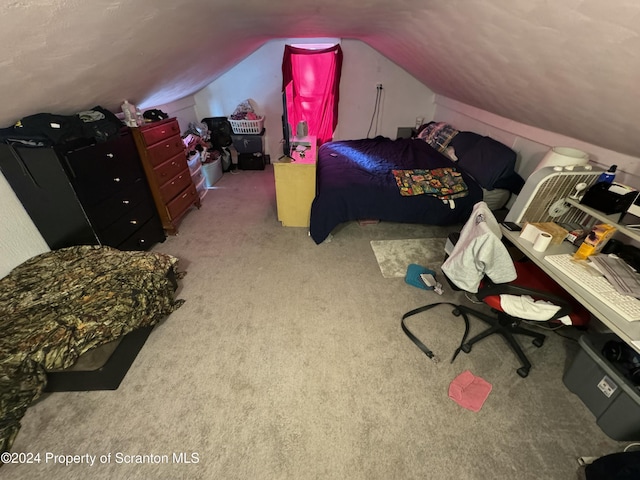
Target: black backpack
[[219, 132]]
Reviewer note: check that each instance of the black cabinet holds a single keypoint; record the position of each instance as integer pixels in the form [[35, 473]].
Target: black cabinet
[[94, 194]]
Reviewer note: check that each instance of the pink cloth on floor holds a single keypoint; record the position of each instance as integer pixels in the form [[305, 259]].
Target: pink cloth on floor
[[469, 391]]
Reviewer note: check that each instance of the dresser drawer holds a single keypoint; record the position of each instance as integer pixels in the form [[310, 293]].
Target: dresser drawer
[[101, 170], [155, 134], [96, 192], [143, 238], [118, 205], [166, 149], [182, 202], [127, 225], [169, 169], [176, 185], [104, 159]]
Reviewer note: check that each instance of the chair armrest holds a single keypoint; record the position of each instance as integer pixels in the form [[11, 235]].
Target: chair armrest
[[490, 289]]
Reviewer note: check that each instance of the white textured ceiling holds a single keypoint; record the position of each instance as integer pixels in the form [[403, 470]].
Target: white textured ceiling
[[568, 66]]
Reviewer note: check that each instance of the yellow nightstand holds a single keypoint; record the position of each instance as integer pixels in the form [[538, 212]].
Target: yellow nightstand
[[295, 178]]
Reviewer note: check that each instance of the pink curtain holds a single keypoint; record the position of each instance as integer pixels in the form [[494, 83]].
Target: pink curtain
[[311, 80]]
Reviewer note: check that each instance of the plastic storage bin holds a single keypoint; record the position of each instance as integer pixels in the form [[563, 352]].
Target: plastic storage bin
[[248, 143], [212, 172], [612, 398], [251, 161], [201, 188]]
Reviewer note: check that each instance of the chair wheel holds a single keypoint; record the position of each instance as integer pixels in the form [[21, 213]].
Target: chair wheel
[[538, 342], [466, 348], [523, 372], [456, 312]]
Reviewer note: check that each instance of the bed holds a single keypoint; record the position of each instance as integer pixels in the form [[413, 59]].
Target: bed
[[62, 306], [357, 179]]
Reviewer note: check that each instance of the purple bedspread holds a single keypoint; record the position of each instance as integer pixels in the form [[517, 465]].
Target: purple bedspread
[[354, 182]]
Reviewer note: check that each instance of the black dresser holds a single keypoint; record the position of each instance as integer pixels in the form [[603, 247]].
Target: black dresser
[[85, 193]]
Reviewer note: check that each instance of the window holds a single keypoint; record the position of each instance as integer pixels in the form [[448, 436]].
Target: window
[[311, 83]]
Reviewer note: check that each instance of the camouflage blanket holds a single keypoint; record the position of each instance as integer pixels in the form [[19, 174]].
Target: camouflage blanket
[[58, 305]]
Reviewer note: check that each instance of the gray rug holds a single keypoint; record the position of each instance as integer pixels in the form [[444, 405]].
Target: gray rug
[[394, 256]]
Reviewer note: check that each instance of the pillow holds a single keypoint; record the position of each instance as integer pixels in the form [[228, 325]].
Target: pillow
[[464, 141], [490, 162], [496, 198], [513, 183], [437, 134]]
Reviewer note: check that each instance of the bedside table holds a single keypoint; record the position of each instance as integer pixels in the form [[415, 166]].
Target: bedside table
[[295, 178], [406, 132]]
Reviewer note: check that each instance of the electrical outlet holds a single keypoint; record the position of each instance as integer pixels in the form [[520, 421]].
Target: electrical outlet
[[379, 86]]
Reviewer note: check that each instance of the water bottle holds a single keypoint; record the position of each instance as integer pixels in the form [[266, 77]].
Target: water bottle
[[609, 175], [129, 114]]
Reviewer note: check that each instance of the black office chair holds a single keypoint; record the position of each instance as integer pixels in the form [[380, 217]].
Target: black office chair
[[529, 280]]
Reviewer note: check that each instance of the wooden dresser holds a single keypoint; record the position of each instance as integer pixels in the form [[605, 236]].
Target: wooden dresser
[[163, 158]]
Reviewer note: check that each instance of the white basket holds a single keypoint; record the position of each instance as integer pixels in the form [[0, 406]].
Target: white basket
[[247, 127]]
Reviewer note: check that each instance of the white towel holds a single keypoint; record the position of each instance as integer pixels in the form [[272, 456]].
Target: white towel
[[524, 306]]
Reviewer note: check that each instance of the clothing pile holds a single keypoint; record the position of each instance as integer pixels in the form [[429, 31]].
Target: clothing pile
[[244, 111]]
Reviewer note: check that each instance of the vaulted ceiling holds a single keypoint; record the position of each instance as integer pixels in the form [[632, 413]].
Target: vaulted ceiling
[[568, 66]]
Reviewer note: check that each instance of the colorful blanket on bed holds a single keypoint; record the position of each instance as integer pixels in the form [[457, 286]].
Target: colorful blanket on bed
[[56, 306], [444, 183]]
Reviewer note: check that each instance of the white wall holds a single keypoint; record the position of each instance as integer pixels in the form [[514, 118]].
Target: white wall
[[19, 238], [259, 78], [184, 110], [531, 143]]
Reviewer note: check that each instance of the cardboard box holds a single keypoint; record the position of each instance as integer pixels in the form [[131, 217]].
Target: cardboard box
[[531, 230]]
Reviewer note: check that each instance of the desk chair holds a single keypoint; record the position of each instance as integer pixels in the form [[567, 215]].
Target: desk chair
[[480, 264], [530, 281]]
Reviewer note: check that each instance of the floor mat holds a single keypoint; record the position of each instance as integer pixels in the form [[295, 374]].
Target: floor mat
[[394, 256]]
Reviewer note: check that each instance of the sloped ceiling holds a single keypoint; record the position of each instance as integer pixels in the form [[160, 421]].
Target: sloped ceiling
[[570, 66]]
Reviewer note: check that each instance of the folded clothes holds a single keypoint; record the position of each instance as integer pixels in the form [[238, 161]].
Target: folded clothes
[[469, 391]]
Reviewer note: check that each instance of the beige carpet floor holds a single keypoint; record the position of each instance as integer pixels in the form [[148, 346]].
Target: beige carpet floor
[[287, 361]]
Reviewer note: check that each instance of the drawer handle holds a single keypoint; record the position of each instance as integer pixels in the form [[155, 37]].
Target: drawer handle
[[125, 202], [185, 195], [162, 131], [142, 241], [133, 222], [110, 155], [173, 163], [117, 179]]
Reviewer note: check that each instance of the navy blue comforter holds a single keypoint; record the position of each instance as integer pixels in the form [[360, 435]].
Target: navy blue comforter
[[354, 182]]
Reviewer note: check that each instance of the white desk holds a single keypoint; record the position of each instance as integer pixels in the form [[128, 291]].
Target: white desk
[[629, 332]]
